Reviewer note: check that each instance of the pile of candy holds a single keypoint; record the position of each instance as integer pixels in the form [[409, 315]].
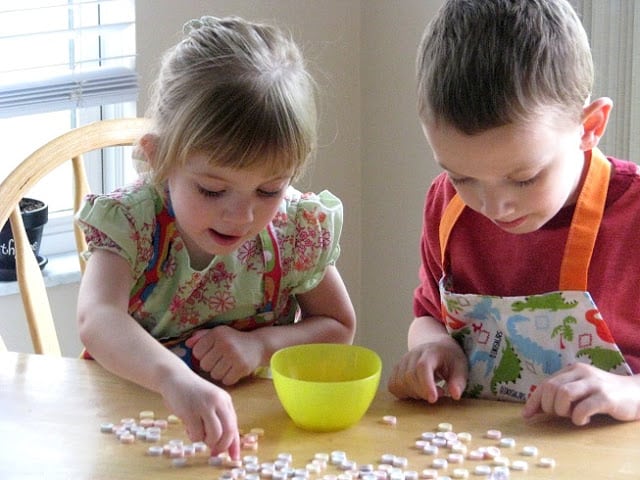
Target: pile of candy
[[450, 453]]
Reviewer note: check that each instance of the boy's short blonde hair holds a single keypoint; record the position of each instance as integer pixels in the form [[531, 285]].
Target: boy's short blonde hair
[[484, 64], [238, 91]]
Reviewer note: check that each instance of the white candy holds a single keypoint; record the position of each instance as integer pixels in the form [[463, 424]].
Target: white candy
[[430, 450], [155, 451], [400, 462], [439, 463], [429, 474], [500, 473], [445, 427], [387, 458], [519, 465], [547, 462], [389, 420], [460, 473], [482, 470], [507, 442], [106, 428], [410, 475], [390, 466]]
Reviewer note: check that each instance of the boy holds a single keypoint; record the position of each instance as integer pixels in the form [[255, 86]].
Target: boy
[[527, 283]]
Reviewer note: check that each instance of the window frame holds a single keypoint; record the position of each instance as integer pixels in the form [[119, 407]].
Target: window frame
[[97, 81]]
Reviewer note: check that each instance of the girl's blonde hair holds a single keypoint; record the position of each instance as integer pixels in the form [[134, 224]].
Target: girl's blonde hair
[[237, 91]]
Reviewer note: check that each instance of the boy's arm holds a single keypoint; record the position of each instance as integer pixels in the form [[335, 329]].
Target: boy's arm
[[433, 357], [580, 391], [426, 329]]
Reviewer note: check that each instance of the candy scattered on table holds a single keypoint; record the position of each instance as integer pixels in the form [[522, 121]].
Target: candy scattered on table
[[146, 414], [445, 427], [507, 442], [460, 473], [448, 452], [389, 420], [520, 465], [547, 462]]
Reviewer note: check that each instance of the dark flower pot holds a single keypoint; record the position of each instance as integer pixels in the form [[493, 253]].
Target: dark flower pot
[[35, 215]]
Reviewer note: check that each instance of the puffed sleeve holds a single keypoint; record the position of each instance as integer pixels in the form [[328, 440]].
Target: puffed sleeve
[[312, 241], [121, 222]]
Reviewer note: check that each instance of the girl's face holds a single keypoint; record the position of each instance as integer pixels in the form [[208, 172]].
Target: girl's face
[[219, 208], [518, 176]]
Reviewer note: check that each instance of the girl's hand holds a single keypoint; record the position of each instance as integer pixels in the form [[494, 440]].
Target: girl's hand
[[207, 412], [420, 370], [227, 354], [580, 391]]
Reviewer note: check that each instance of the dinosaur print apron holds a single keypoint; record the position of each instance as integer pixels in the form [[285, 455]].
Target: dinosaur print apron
[[514, 343]]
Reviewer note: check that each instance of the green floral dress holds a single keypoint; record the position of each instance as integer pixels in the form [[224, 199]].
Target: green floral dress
[[254, 286]]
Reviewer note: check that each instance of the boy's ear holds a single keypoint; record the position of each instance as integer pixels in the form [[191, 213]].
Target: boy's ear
[[147, 147], [594, 122]]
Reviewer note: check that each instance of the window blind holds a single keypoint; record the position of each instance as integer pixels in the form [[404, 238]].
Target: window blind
[[62, 54], [612, 27]]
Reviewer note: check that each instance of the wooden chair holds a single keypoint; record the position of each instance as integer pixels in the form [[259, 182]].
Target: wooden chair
[[69, 146]]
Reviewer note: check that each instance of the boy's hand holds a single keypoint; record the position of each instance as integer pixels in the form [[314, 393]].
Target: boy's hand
[[420, 370], [580, 391]]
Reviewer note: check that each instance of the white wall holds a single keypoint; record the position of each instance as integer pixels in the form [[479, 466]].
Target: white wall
[[329, 34], [63, 300], [372, 154], [397, 168]]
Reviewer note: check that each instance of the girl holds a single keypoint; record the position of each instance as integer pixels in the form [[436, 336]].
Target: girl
[[213, 234]]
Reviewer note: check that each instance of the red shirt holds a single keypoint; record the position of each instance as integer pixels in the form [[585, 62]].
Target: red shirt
[[487, 260]]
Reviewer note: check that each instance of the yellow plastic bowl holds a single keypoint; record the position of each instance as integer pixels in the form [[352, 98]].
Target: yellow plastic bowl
[[326, 387]]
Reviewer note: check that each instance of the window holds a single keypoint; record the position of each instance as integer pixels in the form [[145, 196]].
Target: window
[[612, 27], [65, 63]]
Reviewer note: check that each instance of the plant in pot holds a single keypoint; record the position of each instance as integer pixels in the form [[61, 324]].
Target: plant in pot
[[35, 214]]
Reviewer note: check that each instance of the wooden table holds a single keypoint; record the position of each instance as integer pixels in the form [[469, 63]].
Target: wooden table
[[51, 410]]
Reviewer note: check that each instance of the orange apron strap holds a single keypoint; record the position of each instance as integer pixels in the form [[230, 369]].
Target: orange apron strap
[[582, 233], [449, 218], [585, 224]]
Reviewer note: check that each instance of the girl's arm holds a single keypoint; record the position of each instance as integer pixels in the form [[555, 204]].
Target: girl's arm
[[327, 317], [122, 346], [110, 334]]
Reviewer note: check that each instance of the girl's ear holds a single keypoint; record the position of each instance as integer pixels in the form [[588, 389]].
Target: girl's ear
[[147, 147], [594, 122]]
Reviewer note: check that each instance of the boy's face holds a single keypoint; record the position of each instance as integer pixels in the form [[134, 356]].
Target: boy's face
[[518, 175]]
